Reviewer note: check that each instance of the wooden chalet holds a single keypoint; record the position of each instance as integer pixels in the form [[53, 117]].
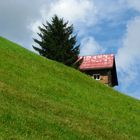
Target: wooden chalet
[[100, 67]]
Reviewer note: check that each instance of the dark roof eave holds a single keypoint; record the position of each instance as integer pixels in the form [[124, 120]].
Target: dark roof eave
[[115, 75]]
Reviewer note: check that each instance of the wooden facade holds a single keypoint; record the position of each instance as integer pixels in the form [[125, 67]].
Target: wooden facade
[[101, 68]]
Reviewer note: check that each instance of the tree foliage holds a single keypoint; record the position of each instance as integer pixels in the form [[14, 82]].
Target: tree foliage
[[58, 42]]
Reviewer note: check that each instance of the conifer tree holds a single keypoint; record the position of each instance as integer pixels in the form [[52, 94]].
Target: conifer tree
[[58, 42]]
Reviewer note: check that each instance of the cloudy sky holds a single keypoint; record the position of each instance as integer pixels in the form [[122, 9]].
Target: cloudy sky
[[103, 26]]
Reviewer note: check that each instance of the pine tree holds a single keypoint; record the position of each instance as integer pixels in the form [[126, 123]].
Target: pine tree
[[58, 42]]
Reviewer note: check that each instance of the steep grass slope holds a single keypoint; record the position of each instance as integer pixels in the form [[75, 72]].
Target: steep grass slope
[[42, 99]]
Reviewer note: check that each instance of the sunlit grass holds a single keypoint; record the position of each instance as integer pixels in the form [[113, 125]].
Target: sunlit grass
[[42, 99]]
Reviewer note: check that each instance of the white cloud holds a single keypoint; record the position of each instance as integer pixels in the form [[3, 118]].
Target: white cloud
[[15, 17], [135, 4], [83, 13], [77, 12], [72, 10], [90, 47], [129, 54], [128, 57]]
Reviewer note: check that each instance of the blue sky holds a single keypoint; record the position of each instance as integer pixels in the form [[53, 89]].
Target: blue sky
[[103, 26]]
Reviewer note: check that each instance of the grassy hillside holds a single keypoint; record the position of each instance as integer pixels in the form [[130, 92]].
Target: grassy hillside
[[42, 99]]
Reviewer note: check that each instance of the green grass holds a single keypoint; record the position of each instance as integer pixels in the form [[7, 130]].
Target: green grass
[[41, 99]]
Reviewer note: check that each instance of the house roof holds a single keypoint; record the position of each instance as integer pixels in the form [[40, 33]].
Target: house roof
[[97, 61]]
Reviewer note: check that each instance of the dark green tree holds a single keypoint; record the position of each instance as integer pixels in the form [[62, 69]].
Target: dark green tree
[[58, 42]]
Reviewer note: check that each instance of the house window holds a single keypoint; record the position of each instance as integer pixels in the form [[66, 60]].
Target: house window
[[96, 76]]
